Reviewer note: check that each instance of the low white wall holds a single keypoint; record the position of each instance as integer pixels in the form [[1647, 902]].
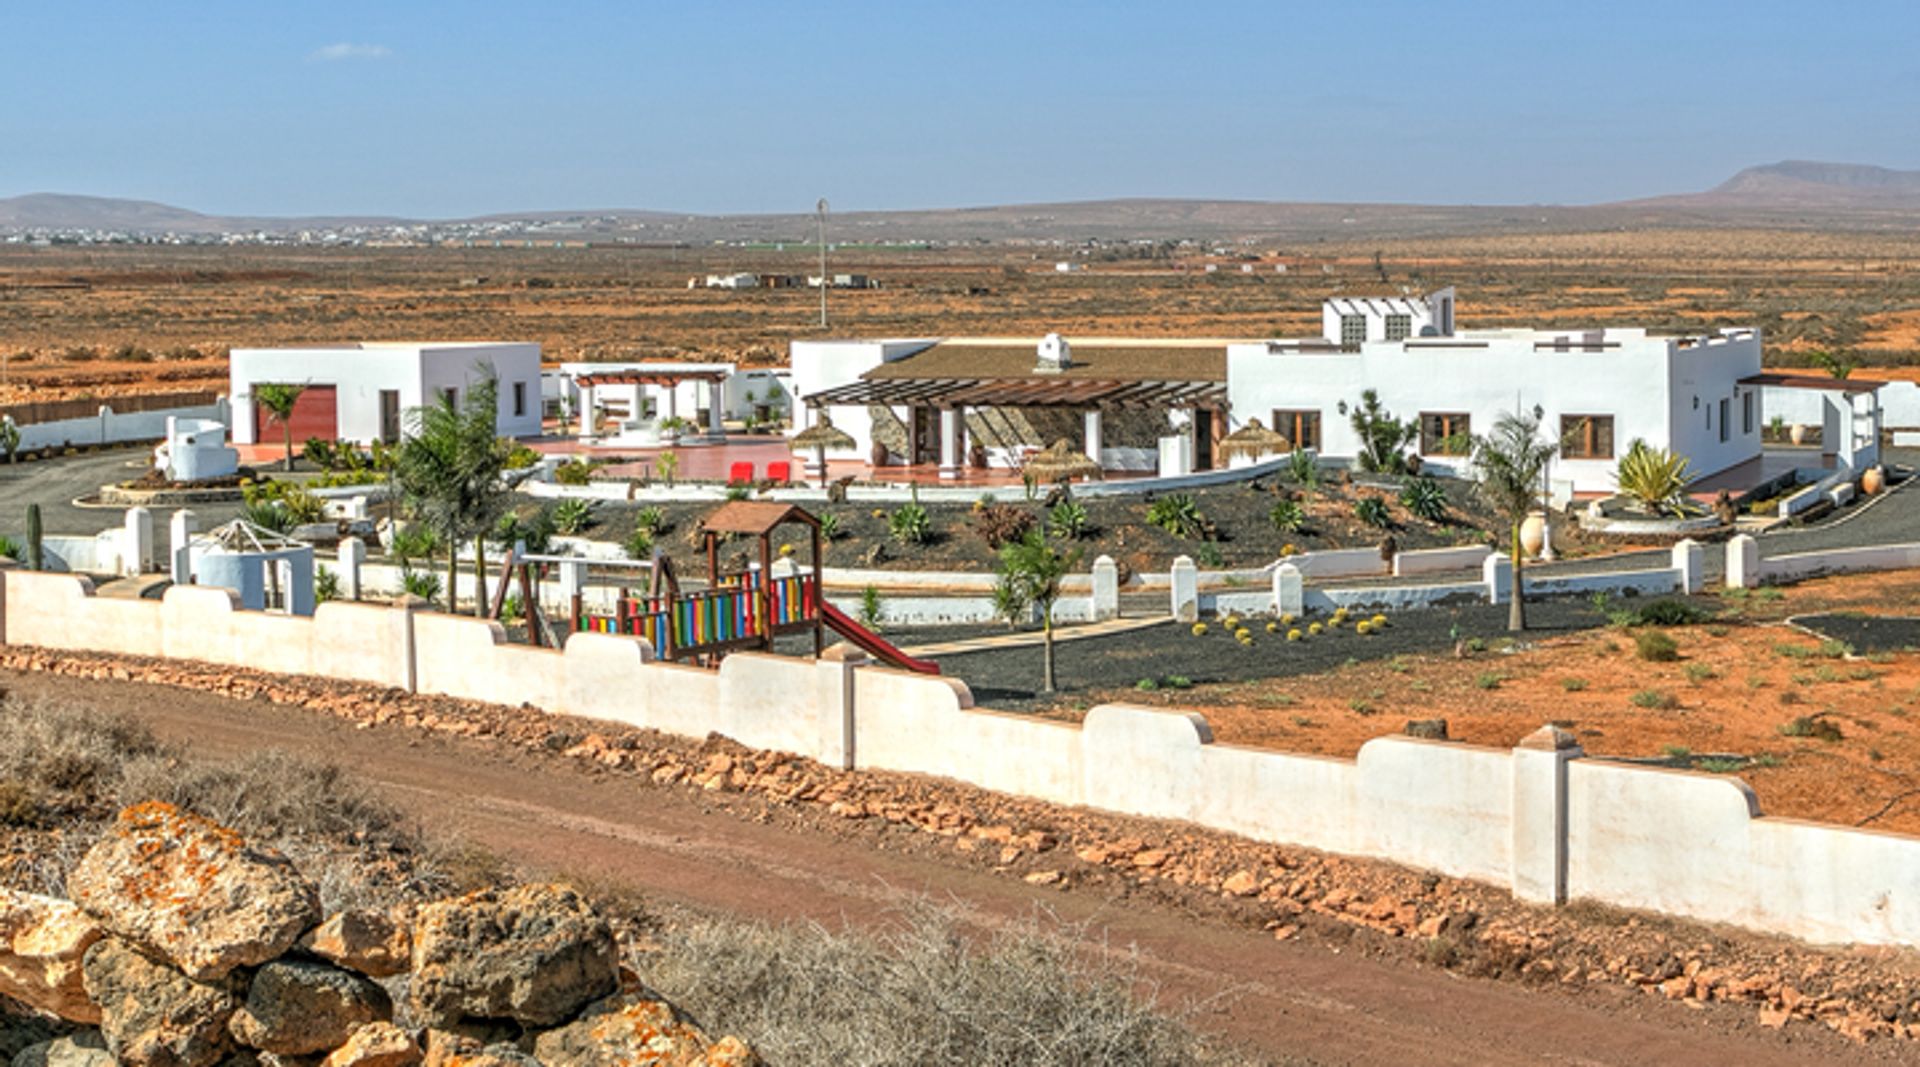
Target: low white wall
[[109, 427], [1614, 583], [1437, 560], [1801, 565], [1683, 843]]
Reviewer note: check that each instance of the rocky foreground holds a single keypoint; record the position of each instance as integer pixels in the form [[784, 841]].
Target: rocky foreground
[[186, 946]]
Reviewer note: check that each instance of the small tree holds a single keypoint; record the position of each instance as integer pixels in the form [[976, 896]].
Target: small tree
[[1837, 364], [1511, 461], [1031, 570], [449, 469], [278, 398], [1381, 435]]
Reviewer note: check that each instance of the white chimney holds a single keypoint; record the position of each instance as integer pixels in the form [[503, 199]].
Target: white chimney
[[1054, 355]]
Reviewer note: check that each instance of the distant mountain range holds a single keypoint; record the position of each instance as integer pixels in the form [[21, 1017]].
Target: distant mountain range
[[1793, 194]]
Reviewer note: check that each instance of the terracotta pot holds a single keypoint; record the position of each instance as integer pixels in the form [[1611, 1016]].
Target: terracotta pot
[[1533, 533], [1797, 433], [1873, 480]]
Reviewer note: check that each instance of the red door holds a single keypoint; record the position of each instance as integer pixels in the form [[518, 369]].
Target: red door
[[314, 415]]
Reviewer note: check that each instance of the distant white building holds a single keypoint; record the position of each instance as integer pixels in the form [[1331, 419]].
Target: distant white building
[[363, 392], [740, 280]]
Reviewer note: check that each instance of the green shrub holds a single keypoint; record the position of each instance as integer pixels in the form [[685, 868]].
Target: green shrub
[[573, 516], [1700, 672], [829, 527], [326, 584], [573, 472], [1816, 726], [651, 519], [638, 545], [1655, 646], [1373, 511], [1287, 516], [1654, 700], [520, 457], [1489, 680], [1669, 612], [1177, 514], [423, 584], [268, 515], [1573, 685], [1425, 498], [1068, 520], [872, 608], [909, 524], [1655, 477], [1302, 468], [414, 541]]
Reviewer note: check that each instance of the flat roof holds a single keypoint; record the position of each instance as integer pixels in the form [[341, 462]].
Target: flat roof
[[1137, 360], [1822, 383]]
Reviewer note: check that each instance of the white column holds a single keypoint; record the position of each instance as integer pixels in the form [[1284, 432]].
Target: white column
[[1497, 572], [136, 546], [1743, 562], [1689, 558], [353, 553], [673, 400], [949, 442], [1185, 583], [1093, 434], [586, 412], [1539, 856], [180, 531], [1289, 590], [1106, 589], [715, 417]]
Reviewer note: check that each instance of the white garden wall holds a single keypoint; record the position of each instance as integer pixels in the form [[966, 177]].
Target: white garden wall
[[1539, 818]]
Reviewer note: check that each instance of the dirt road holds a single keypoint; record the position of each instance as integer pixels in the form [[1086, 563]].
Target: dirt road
[[1287, 1001]]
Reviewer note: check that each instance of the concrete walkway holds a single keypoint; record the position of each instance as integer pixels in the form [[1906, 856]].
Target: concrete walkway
[[1029, 638]]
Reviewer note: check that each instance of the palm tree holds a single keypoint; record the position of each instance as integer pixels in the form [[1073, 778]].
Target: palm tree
[[449, 469], [1511, 461], [1031, 570], [278, 398]]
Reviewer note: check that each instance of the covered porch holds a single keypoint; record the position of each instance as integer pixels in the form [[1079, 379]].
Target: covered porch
[[639, 405], [962, 429]]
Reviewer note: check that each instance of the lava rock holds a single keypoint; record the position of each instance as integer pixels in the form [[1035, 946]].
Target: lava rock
[[535, 954], [42, 943], [154, 1016], [296, 1008]]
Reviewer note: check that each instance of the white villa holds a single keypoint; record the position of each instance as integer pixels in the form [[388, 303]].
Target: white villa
[[1162, 406], [626, 404], [361, 392]]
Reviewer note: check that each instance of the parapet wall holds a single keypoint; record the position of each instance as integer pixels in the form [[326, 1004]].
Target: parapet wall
[[1540, 819]]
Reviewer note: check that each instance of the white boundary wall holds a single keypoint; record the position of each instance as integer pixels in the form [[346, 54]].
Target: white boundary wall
[[110, 427], [1539, 819]]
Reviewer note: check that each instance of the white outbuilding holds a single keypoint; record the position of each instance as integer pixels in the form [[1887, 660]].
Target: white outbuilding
[[362, 392]]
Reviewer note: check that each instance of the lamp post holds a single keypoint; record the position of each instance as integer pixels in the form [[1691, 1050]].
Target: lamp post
[[1546, 497], [821, 207]]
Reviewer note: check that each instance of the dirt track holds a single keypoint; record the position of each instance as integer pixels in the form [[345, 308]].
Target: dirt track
[[1291, 1000]]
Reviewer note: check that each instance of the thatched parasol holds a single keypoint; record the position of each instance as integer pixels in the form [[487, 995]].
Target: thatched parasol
[[821, 436], [1253, 441], [1059, 462]]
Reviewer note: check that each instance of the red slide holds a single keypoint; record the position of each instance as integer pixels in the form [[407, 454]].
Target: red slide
[[872, 643]]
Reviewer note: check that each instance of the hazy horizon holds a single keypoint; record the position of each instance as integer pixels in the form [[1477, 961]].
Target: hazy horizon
[[486, 108]]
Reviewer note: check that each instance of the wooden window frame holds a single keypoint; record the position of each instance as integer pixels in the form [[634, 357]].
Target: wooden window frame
[[1589, 449], [1436, 444], [1287, 423]]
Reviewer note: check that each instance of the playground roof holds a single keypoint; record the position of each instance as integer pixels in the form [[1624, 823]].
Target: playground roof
[[754, 517]]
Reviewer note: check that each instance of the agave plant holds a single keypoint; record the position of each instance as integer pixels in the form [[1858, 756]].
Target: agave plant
[[572, 515], [1287, 516], [910, 524], [1425, 498], [1655, 477], [1068, 520], [1303, 468], [1373, 511], [1178, 515]]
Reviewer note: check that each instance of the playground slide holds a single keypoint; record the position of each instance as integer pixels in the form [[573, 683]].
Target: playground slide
[[872, 643]]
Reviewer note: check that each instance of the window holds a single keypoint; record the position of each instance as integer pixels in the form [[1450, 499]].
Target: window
[[1353, 330], [1445, 433], [1586, 436], [1724, 403], [452, 396], [1399, 327], [1300, 427], [1746, 412], [519, 399]]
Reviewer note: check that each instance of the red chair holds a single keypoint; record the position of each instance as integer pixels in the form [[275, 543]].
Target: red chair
[[740, 474], [780, 472]]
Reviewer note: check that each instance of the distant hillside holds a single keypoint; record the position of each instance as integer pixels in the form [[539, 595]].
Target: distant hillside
[[1796, 194]]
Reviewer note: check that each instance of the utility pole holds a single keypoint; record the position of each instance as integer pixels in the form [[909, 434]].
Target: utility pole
[[821, 207]]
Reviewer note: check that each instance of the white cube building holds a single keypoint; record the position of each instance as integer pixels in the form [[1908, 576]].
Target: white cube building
[[363, 392]]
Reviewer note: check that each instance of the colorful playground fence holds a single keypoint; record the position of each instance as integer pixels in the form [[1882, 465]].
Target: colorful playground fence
[[714, 618]]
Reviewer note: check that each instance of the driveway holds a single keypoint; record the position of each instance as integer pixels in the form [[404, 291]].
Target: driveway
[[55, 483]]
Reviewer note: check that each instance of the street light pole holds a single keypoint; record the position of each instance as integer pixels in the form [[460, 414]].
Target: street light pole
[[821, 207]]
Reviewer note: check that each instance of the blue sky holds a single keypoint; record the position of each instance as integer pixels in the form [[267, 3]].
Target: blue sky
[[445, 109]]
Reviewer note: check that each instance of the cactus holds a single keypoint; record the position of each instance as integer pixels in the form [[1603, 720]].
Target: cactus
[[36, 558]]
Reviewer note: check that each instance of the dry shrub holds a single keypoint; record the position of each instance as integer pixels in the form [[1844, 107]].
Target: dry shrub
[[922, 991], [1000, 524]]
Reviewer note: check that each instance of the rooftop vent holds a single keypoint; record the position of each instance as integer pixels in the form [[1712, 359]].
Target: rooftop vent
[[1054, 355]]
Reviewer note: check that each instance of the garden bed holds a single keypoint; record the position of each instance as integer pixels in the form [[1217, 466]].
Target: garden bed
[[1867, 634]]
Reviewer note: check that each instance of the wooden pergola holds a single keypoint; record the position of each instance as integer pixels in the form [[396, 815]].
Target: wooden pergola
[[666, 378], [1031, 392]]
